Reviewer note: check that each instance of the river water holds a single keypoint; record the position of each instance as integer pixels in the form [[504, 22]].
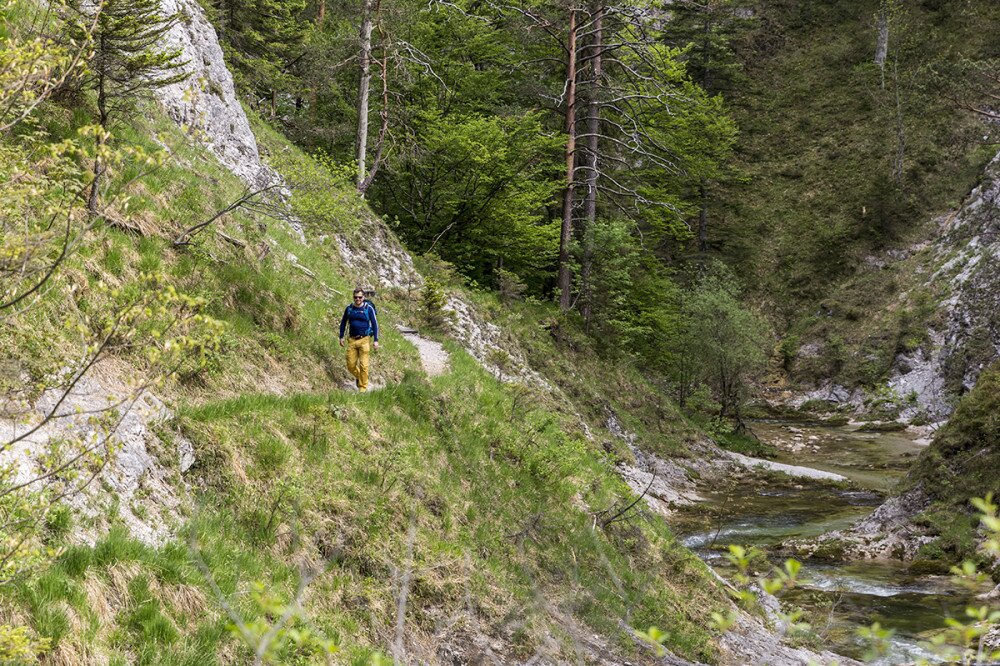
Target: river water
[[837, 597]]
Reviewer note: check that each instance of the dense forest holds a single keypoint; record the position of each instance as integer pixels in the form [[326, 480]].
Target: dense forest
[[639, 267]]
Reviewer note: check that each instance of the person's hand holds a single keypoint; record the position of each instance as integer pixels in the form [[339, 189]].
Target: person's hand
[[376, 345], [342, 342]]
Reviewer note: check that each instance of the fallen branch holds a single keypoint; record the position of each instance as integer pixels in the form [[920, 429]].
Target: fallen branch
[[621, 514], [230, 239], [248, 199]]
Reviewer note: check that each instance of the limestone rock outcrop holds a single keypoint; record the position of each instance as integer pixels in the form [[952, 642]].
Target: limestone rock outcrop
[[965, 337], [205, 104]]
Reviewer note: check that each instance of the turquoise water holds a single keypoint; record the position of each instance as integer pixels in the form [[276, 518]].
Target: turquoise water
[[838, 598]]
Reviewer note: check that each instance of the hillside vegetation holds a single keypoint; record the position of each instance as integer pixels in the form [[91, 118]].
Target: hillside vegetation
[[470, 505], [846, 171], [610, 218]]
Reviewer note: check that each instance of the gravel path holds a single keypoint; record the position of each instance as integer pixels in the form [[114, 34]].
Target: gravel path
[[433, 356]]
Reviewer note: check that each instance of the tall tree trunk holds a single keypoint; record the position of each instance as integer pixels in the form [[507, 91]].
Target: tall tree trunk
[[566, 235], [703, 216], [383, 114], [361, 144], [882, 38], [593, 144], [321, 14], [102, 109]]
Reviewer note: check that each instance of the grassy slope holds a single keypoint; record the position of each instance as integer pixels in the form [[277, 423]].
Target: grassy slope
[[817, 139], [496, 482]]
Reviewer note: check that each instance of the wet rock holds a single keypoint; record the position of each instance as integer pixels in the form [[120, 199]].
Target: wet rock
[[887, 533]]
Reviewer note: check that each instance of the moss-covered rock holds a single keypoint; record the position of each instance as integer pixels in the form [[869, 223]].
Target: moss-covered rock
[[962, 461]]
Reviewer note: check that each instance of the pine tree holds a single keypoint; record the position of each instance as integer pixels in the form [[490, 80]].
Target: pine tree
[[264, 43], [126, 65]]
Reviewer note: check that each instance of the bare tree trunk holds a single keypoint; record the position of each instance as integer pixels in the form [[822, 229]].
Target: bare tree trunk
[[593, 131], [703, 216], [882, 39], [361, 144], [384, 115], [102, 108], [898, 162], [321, 14], [566, 235]]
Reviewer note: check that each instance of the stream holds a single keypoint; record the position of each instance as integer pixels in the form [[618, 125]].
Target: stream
[[837, 597]]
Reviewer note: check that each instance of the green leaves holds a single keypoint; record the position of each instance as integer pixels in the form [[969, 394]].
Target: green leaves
[[656, 638], [473, 188]]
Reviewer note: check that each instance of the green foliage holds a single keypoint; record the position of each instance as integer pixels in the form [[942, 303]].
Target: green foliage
[[820, 136], [632, 301], [19, 645], [433, 299], [474, 189], [127, 61], [261, 38], [708, 32], [722, 343], [323, 196]]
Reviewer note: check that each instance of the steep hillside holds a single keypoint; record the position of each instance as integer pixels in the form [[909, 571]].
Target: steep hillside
[[456, 515], [866, 219], [250, 501], [843, 159]]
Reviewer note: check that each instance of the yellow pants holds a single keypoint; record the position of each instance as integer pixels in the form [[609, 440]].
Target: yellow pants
[[357, 360]]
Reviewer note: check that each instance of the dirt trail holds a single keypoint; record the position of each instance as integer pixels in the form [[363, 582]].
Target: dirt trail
[[433, 356]]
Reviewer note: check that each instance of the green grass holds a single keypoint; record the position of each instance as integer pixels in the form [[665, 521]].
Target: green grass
[[491, 497], [817, 140], [499, 482], [496, 497]]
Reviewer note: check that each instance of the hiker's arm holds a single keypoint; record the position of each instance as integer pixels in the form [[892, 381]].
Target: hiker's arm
[[343, 323], [374, 317]]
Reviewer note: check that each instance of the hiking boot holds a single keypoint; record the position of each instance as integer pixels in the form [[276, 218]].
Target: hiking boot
[[357, 384]]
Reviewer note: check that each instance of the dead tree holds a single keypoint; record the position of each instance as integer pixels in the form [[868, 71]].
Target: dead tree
[[252, 200], [566, 231], [368, 8]]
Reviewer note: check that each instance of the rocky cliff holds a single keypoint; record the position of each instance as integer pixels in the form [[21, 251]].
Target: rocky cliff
[[205, 104], [964, 337]]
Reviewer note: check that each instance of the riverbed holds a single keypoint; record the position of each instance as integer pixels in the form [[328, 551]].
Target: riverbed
[[837, 597]]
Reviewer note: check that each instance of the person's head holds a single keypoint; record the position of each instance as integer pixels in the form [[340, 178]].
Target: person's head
[[359, 296]]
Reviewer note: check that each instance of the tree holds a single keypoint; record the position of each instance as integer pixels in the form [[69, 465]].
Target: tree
[[368, 8], [727, 340], [705, 30], [126, 65], [264, 42], [473, 189]]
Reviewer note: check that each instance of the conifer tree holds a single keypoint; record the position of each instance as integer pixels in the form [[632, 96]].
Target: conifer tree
[[264, 43], [126, 65]]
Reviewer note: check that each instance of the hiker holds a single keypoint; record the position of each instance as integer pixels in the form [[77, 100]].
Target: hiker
[[363, 324]]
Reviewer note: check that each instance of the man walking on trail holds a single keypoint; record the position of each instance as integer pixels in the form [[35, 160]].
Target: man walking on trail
[[363, 324]]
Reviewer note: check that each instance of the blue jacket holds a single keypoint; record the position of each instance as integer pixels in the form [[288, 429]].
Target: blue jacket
[[363, 320]]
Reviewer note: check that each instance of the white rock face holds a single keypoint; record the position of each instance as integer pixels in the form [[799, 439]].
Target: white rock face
[[967, 339], [136, 486], [206, 103], [378, 258]]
